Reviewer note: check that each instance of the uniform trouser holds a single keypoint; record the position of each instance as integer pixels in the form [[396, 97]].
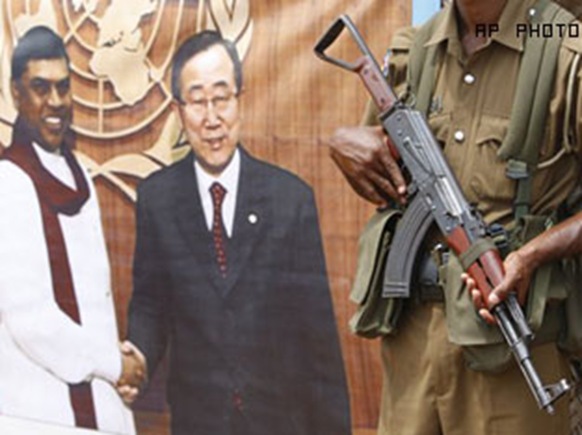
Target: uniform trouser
[[428, 390]]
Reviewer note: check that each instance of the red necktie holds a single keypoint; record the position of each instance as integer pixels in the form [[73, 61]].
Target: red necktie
[[218, 233]]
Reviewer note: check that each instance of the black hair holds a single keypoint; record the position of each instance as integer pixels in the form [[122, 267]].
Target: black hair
[[38, 43], [196, 44]]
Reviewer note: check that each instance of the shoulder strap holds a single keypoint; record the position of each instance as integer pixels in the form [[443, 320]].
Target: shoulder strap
[[534, 89], [421, 70]]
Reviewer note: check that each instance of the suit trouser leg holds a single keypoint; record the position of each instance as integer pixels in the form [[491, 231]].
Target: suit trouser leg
[[428, 390]]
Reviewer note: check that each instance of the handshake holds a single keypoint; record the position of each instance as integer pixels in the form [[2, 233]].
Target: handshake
[[133, 372]]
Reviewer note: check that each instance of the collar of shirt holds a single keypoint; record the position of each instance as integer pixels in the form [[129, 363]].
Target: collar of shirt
[[514, 13], [56, 164], [229, 180]]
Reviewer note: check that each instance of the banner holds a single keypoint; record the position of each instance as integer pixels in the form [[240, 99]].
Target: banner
[[121, 53]]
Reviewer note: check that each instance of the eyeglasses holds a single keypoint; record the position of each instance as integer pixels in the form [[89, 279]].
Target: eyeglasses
[[220, 103]]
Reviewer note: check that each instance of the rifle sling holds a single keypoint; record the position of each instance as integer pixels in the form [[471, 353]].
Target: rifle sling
[[476, 250]]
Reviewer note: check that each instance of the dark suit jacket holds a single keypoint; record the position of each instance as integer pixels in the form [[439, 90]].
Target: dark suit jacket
[[255, 353]]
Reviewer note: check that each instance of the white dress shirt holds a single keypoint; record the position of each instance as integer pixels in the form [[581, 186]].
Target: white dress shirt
[[56, 165], [42, 350], [229, 180]]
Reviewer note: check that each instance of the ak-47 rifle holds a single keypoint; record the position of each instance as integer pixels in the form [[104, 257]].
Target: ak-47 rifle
[[437, 198]]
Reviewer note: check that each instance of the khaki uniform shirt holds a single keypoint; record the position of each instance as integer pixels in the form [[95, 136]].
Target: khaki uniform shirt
[[471, 108]]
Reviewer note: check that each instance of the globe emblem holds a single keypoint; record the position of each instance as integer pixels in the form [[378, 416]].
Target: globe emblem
[[117, 74], [120, 54]]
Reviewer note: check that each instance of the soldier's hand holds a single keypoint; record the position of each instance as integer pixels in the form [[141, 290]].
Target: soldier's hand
[[518, 273], [363, 156]]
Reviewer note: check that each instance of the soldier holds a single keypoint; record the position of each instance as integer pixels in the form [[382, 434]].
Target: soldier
[[442, 372]]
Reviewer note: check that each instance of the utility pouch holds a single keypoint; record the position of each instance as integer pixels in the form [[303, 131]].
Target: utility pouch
[[483, 345], [376, 316]]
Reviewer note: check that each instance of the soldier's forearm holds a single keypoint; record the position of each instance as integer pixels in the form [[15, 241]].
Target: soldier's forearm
[[561, 241]]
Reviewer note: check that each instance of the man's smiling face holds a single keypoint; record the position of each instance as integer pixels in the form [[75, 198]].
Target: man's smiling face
[[209, 108], [43, 99]]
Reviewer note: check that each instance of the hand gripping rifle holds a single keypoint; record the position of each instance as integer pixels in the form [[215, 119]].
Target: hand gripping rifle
[[437, 198]]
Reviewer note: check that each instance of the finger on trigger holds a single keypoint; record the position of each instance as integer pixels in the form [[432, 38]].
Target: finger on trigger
[[382, 185], [365, 189]]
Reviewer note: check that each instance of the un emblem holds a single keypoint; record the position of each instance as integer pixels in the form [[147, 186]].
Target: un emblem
[[120, 55]]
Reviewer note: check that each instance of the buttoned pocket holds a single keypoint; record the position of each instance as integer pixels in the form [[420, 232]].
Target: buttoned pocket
[[491, 129]]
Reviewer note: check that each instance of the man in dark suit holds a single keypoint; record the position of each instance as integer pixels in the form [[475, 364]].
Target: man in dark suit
[[229, 271]]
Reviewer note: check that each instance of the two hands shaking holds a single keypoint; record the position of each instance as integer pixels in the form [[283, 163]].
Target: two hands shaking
[[133, 372]]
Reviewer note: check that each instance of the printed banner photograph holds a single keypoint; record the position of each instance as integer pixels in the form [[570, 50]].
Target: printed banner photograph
[[290, 217]]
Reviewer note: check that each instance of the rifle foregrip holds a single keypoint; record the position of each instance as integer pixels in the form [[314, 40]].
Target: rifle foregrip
[[486, 266]]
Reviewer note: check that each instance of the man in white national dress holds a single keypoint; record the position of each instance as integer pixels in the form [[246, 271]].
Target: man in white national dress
[[60, 358]]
